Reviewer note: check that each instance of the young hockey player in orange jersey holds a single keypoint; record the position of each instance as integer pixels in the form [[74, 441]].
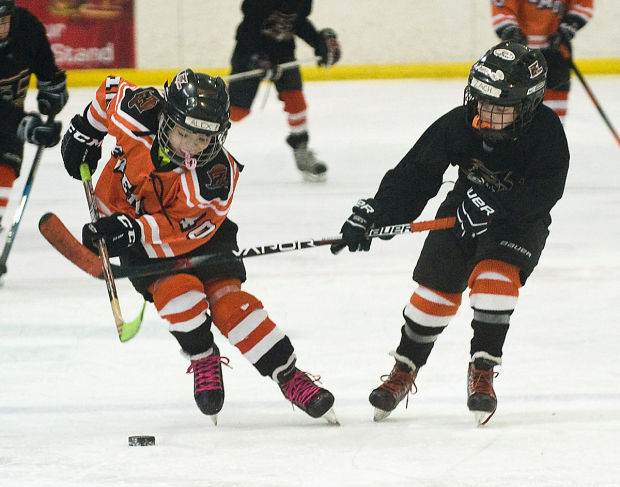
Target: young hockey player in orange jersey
[[548, 25], [165, 192]]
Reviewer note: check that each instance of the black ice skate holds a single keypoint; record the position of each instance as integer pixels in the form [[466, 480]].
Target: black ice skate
[[302, 391], [396, 386], [209, 383], [312, 169], [481, 398]]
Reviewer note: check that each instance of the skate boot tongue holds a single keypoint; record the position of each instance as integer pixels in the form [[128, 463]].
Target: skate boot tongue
[[209, 383]]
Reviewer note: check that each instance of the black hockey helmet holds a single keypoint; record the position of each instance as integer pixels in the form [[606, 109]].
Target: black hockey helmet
[[199, 104], [507, 75], [6, 7]]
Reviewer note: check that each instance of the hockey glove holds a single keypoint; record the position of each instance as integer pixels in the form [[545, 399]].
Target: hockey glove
[[560, 40], [119, 232], [260, 60], [328, 48], [513, 33], [53, 94], [355, 229], [81, 143], [32, 129], [474, 213]]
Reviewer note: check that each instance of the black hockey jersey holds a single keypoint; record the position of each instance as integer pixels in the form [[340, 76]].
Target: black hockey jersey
[[270, 26], [26, 51], [527, 177]]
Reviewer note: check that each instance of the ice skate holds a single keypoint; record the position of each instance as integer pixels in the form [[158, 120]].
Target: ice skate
[[209, 383], [312, 169], [481, 398], [302, 391], [396, 386]]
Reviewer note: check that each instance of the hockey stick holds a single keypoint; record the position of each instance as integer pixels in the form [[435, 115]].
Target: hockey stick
[[595, 101], [63, 241], [19, 213], [126, 330], [255, 73]]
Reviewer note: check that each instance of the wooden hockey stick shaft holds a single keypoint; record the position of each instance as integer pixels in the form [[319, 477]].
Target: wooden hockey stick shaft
[[62, 240], [126, 330], [19, 213]]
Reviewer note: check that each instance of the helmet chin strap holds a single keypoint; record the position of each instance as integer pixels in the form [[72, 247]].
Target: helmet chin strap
[[190, 162]]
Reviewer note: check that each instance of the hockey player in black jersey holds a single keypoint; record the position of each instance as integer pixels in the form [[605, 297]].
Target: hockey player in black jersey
[[25, 49], [266, 38], [512, 159]]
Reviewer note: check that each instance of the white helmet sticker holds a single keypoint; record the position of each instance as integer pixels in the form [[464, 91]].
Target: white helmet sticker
[[536, 88], [486, 88], [202, 124], [494, 75], [506, 54]]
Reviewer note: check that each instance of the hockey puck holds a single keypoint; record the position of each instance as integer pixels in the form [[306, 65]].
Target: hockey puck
[[141, 440]]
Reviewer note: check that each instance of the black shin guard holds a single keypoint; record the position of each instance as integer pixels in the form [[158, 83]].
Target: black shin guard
[[417, 341], [490, 329], [196, 341]]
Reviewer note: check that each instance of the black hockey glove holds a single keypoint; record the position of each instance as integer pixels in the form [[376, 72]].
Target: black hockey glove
[[513, 33], [119, 232], [81, 143], [474, 213], [53, 94], [328, 48], [355, 229], [260, 60], [32, 129]]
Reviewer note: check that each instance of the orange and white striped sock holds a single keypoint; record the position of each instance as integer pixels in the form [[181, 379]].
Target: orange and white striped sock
[[180, 299], [558, 102], [7, 178], [295, 107], [426, 315], [494, 292], [241, 318]]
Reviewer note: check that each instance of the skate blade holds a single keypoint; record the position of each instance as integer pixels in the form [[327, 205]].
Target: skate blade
[[314, 178], [214, 419], [482, 417], [330, 417], [380, 414]]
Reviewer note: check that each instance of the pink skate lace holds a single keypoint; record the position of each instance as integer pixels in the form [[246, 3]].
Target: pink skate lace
[[301, 388], [190, 162], [207, 375]]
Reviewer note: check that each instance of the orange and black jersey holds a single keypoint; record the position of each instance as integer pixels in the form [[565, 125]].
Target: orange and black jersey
[[271, 25], [26, 51], [527, 177], [538, 19], [177, 209]]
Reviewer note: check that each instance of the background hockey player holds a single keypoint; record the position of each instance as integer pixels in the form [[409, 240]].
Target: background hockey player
[[512, 158], [549, 26], [166, 192], [266, 38], [25, 49]]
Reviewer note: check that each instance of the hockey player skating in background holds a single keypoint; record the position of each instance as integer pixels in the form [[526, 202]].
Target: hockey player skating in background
[[266, 38], [25, 49], [512, 156], [165, 192], [549, 26]]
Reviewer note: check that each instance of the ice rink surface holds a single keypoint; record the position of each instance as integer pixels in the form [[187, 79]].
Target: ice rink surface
[[71, 393]]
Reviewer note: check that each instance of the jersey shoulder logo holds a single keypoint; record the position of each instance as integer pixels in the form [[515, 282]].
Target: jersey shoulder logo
[[218, 177], [143, 101]]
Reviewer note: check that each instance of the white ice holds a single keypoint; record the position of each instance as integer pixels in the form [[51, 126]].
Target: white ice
[[71, 393]]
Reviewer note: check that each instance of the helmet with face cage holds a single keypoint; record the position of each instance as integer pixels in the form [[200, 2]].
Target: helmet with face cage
[[507, 75], [198, 104]]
